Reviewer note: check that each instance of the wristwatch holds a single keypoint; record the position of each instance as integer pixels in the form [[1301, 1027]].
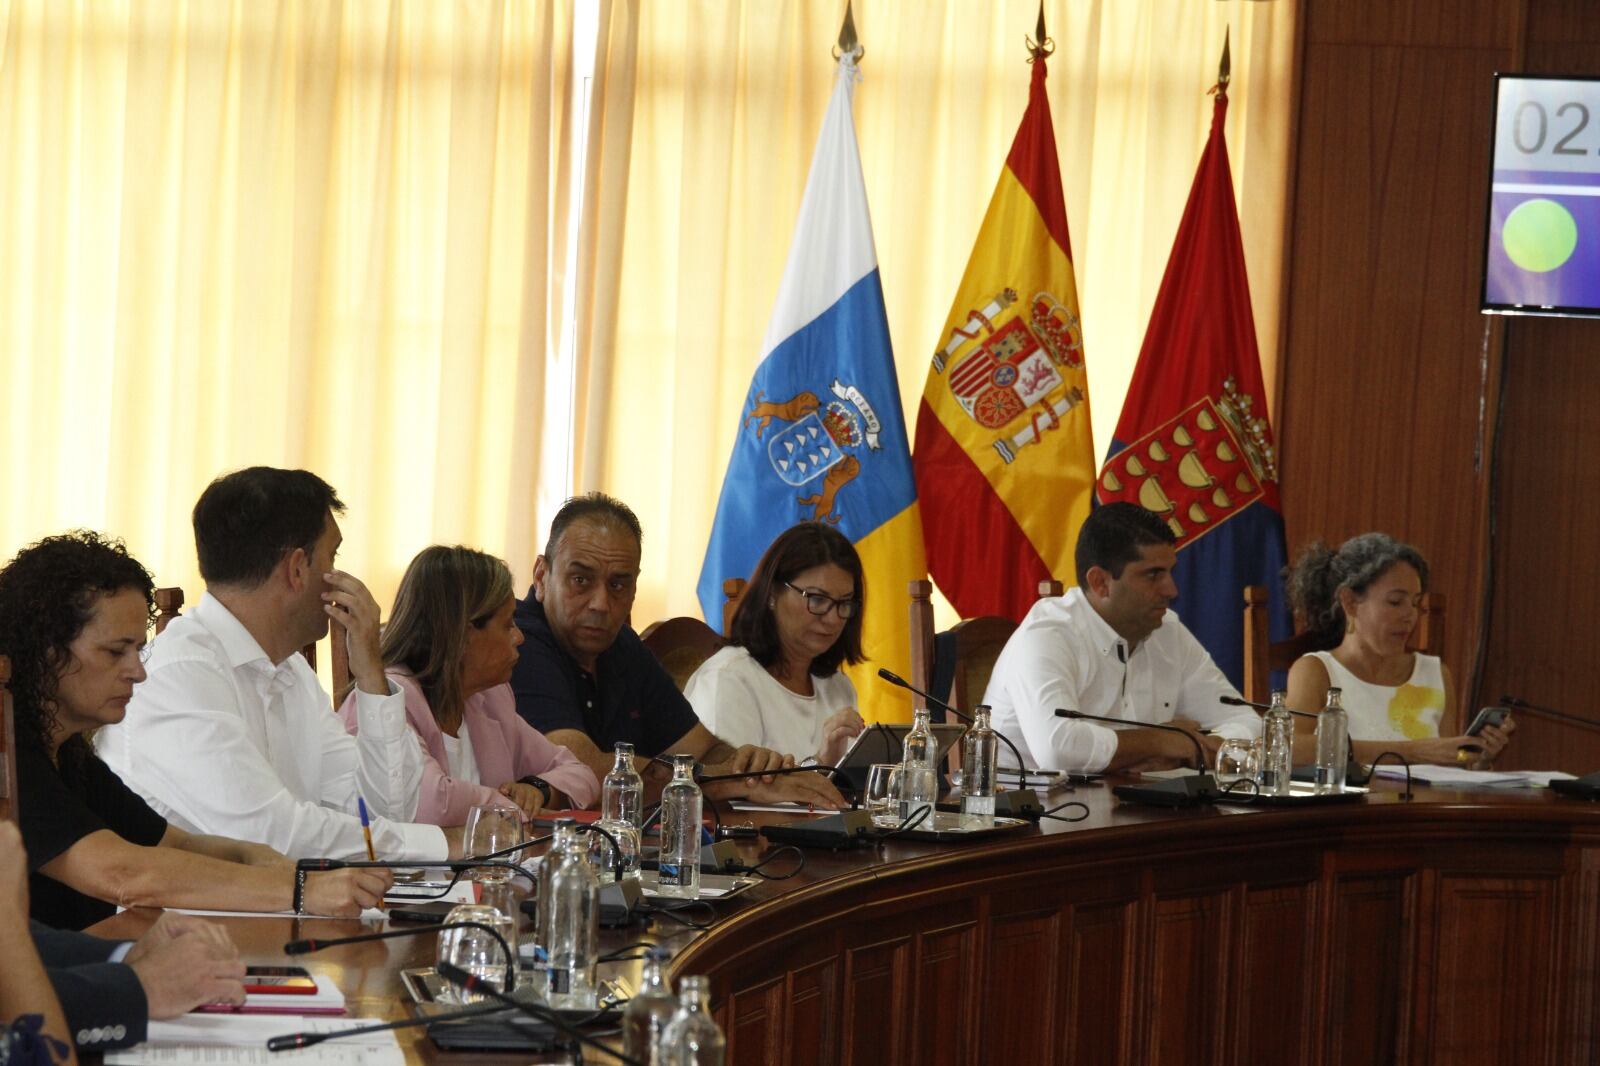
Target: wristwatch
[[542, 785]]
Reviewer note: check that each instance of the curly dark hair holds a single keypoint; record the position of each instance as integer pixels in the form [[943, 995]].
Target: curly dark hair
[[1314, 581], [47, 596]]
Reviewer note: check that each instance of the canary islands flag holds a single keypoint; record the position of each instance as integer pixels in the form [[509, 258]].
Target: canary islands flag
[[821, 436], [1193, 443], [1005, 458]]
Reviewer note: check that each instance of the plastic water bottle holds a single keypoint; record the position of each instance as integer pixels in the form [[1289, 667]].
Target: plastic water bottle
[[564, 832], [919, 776], [1333, 744], [649, 1012], [678, 871], [574, 929], [1277, 748], [622, 792], [692, 1037], [980, 750]]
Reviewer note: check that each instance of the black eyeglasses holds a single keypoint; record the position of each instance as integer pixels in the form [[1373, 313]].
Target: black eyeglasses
[[820, 603]]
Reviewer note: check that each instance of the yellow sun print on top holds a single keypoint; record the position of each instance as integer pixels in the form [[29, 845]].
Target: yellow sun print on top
[[1415, 711]]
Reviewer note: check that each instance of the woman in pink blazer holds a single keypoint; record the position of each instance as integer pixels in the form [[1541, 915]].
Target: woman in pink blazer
[[450, 644]]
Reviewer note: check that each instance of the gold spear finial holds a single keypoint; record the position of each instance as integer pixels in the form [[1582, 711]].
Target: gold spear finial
[[847, 37], [1224, 69], [1039, 46]]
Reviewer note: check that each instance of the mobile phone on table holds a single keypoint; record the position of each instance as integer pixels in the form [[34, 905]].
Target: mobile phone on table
[[278, 981], [1495, 716], [431, 913]]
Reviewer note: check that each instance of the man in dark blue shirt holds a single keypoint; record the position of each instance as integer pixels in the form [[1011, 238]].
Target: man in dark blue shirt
[[586, 681]]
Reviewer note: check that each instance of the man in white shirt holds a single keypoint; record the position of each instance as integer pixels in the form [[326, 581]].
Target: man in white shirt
[[232, 734], [1112, 647]]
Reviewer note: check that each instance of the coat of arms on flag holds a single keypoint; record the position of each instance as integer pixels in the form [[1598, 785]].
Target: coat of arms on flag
[[1001, 364], [1198, 469], [818, 442]]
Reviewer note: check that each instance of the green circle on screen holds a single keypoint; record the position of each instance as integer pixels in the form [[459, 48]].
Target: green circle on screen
[[1539, 235]]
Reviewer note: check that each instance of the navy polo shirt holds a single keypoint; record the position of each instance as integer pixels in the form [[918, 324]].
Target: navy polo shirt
[[629, 697]]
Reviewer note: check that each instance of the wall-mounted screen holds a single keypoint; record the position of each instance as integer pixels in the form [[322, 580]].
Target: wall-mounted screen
[[1543, 254]]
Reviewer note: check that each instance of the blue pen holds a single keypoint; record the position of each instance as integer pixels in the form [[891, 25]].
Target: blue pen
[[366, 828]]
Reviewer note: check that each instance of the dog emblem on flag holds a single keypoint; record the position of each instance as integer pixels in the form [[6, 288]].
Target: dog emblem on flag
[[821, 441], [1003, 362]]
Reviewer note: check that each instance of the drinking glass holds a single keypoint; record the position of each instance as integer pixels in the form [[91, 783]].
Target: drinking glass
[[1236, 761], [474, 950], [491, 829], [882, 798]]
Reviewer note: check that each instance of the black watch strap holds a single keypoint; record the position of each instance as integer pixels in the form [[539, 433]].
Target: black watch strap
[[542, 785]]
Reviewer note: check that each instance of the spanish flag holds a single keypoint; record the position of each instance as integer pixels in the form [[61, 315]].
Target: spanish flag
[[1004, 458]]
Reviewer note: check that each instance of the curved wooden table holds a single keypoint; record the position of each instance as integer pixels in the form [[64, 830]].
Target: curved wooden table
[[1456, 928]]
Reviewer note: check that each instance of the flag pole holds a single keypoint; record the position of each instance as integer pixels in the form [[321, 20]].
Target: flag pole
[[1224, 68], [1039, 46], [848, 43]]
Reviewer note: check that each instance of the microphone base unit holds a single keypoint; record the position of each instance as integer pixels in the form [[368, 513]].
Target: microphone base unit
[[836, 832], [1192, 790], [1586, 787], [619, 904], [719, 857], [1013, 803]]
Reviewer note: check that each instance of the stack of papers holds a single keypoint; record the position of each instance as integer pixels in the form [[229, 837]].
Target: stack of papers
[[1456, 777], [239, 1040]]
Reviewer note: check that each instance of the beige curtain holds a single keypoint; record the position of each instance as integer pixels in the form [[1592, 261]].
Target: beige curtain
[[727, 101], [318, 234]]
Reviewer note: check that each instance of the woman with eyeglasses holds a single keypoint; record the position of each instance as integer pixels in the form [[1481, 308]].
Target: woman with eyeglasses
[[778, 684], [75, 611]]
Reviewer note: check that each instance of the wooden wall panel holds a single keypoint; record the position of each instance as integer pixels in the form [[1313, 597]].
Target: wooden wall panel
[[1100, 984], [1186, 977], [1383, 341], [813, 1014], [876, 1002], [1024, 943], [1499, 934], [1372, 970], [945, 976], [1548, 503], [1276, 929], [754, 1023], [1391, 379]]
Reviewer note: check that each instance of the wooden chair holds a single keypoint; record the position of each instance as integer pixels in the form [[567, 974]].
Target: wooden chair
[[1262, 657], [732, 591], [976, 644], [680, 645], [169, 605]]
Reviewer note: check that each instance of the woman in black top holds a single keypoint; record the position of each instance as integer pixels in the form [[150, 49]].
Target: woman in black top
[[74, 613]]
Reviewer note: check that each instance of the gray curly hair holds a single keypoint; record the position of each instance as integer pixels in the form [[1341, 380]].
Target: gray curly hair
[[1314, 581]]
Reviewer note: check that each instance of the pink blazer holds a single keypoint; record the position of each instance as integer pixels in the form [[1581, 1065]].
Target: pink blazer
[[506, 748]]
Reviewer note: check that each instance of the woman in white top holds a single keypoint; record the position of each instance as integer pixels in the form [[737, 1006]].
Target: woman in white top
[[1364, 600], [778, 683]]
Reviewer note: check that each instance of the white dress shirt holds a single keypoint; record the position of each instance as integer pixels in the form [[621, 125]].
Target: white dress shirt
[[1064, 655], [219, 740], [741, 703]]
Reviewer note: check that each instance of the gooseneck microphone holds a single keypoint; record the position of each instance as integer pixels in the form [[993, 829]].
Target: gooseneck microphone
[[1188, 791], [1020, 802], [453, 865], [478, 986], [1518, 704], [294, 1041]]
